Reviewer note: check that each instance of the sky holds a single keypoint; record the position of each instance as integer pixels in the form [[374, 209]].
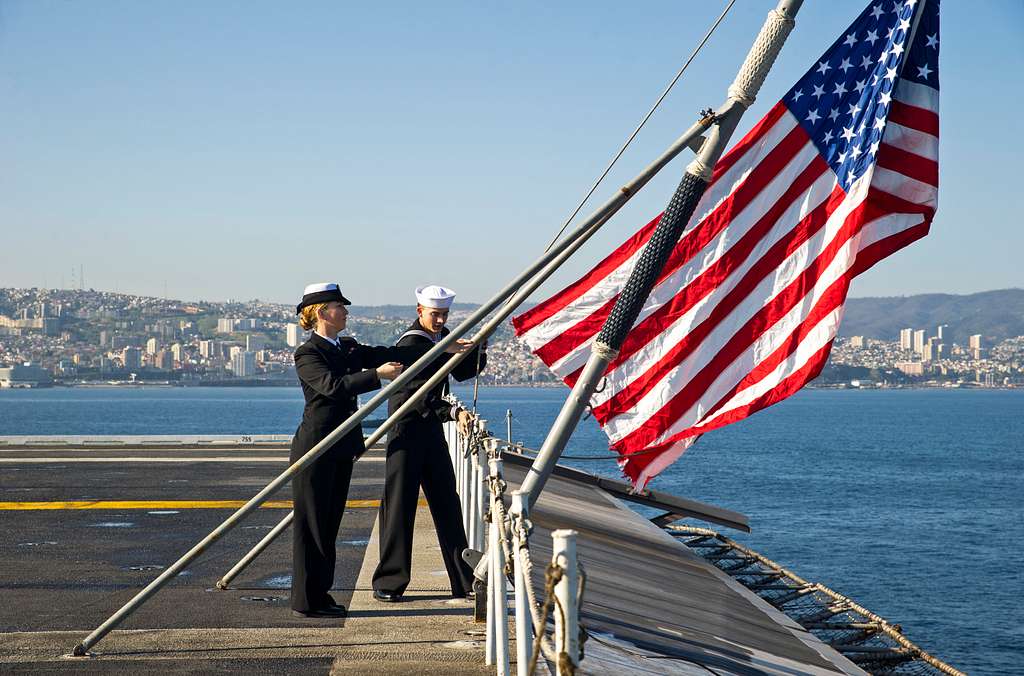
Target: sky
[[240, 150]]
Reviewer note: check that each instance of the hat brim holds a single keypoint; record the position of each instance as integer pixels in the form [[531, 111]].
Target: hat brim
[[322, 297]]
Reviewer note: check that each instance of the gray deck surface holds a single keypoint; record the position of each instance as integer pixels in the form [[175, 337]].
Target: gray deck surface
[[651, 605], [63, 572]]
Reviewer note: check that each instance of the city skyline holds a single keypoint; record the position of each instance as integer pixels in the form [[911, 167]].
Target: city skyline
[[201, 152], [88, 338]]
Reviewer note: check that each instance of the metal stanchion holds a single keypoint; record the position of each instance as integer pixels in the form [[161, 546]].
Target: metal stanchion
[[478, 513], [524, 621], [567, 631], [473, 533], [492, 604], [496, 576], [508, 425]]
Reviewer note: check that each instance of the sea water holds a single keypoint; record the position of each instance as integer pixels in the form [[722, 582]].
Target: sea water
[[911, 502]]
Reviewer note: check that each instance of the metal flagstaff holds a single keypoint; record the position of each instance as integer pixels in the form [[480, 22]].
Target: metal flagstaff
[[688, 139], [741, 95], [602, 214]]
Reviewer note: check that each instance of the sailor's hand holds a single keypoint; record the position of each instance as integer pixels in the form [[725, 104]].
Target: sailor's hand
[[459, 346], [463, 419], [389, 371]]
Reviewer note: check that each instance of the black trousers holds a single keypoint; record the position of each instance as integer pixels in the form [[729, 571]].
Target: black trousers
[[320, 494], [417, 456]]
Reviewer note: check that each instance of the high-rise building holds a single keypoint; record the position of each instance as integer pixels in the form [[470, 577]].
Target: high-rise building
[[151, 346], [225, 325], [178, 352], [939, 332], [906, 339], [293, 335], [856, 341], [208, 349], [974, 344], [164, 360], [104, 337], [243, 364], [235, 350], [919, 341], [131, 357], [254, 342], [928, 353]]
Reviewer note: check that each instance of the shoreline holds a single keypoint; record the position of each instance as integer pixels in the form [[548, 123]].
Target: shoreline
[[532, 386]]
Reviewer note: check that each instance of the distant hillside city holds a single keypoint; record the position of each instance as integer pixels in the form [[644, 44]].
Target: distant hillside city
[[88, 337]]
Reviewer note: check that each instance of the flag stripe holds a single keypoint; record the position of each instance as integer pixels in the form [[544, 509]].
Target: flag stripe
[[752, 139], [914, 117], [912, 141], [914, 166]]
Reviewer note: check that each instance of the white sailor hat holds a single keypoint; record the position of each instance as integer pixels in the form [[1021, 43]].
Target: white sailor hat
[[321, 292], [434, 296]]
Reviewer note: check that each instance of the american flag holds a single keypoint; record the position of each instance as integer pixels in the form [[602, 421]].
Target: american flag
[[840, 173]]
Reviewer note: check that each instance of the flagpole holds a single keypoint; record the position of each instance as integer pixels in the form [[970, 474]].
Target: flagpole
[[741, 95]]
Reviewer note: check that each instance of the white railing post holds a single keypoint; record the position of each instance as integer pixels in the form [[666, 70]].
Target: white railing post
[[461, 477], [492, 542], [473, 533], [497, 583], [567, 632], [524, 621]]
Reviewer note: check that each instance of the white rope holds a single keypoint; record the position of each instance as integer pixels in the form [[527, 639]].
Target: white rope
[[760, 58]]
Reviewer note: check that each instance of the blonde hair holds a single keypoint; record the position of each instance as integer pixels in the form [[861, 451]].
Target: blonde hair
[[308, 316]]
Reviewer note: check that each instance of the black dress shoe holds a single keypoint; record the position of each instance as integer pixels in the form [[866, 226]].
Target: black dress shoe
[[334, 612], [387, 597]]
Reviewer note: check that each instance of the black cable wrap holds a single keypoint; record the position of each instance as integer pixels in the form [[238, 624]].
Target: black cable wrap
[[652, 260]]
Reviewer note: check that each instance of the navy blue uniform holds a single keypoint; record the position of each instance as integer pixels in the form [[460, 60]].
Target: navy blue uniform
[[417, 456], [331, 377]]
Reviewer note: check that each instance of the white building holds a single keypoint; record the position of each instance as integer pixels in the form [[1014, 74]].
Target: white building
[[906, 339], [293, 335], [974, 344], [919, 341], [243, 364], [208, 349]]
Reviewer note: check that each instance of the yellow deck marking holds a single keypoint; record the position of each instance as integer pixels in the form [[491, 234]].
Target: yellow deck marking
[[166, 504]]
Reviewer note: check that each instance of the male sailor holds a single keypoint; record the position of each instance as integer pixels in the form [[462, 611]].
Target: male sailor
[[417, 457]]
